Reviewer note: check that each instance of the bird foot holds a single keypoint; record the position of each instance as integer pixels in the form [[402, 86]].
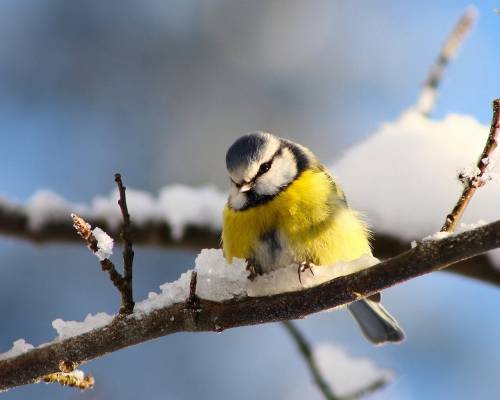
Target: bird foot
[[253, 272], [304, 266]]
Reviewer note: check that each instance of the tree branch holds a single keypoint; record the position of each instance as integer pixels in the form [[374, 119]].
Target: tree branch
[[428, 95], [14, 223], [128, 252], [472, 183], [125, 331], [306, 352]]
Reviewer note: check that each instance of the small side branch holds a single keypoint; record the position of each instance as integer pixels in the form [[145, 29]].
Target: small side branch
[[122, 283], [75, 379], [472, 183], [428, 95], [128, 252], [84, 230]]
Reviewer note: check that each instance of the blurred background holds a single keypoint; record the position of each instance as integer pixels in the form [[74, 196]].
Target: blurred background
[[158, 90]]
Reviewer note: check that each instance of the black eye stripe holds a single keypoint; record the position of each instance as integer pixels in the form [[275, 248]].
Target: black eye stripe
[[267, 166], [264, 167]]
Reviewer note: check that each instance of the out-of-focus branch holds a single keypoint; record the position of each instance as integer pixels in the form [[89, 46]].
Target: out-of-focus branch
[[214, 316], [306, 352], [428, 95], [472, 183], [14, 223]]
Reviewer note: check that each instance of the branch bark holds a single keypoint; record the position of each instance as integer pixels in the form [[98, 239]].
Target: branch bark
[[471, 184], [211, 316]]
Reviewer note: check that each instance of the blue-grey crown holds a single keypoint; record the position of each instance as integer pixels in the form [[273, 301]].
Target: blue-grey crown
[[246, 149]]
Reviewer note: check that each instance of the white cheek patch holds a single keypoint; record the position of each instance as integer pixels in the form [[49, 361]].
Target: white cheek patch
[[237, 200], [248, 172], [283, 171]]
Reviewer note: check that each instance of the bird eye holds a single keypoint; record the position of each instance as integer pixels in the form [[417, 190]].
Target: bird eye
[[264, 167]]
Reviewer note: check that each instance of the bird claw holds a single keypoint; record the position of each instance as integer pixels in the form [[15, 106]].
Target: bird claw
[[253, 272], [304, 266]]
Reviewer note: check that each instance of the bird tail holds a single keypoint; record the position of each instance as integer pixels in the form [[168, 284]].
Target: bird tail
[[377, 324]]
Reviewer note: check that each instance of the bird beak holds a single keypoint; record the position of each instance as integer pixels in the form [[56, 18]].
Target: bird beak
[[245, 188]]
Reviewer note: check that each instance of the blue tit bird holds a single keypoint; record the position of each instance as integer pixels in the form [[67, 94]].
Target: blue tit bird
[[284, 207]]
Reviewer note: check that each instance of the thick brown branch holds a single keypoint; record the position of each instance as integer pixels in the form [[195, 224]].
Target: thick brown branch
[[471, 184], [212, 316], [128, 253]]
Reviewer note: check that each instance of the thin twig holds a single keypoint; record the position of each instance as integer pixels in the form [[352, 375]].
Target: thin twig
[[128, 252], [212, 316], [427, 99], [84, 230], [471, 184], [193, 299], [306, 352]]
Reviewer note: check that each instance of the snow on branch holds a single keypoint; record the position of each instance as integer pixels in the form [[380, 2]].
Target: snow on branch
[[241, 310]]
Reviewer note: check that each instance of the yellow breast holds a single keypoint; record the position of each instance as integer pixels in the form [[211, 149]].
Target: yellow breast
[[319, 229]]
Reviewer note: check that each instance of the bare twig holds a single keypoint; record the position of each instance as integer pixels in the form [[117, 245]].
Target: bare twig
[[193, 299], [214, 316], [427, 99], [128, 252], [471, 184]]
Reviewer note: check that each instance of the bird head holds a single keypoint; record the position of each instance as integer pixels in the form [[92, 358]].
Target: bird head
[[260, 165]]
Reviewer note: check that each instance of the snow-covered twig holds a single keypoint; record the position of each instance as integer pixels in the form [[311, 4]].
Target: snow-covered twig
[[428, 95], [101, 244], [472, 183], [214, 316]]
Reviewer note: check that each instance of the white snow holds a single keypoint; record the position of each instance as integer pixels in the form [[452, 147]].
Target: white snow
[[344, 374], [176, 205], [287, 279], [19, 347], [104, 244], [403, 177], [182, 205], [46, 206], [67, 329], [216, 280]]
